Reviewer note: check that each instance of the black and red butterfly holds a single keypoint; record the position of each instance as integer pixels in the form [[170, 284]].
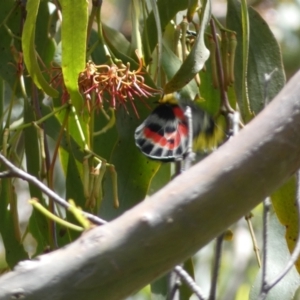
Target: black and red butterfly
[[164, 135]]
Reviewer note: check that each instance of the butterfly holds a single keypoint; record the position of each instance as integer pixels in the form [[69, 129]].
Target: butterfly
[[164, 134]]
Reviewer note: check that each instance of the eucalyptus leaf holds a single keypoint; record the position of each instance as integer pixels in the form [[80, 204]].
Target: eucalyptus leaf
[[167, 11], [264, 57], [29, 53], [74, 36], [133, 169], [284, 202], [9, 225], [196, 58], [38, 224], [8, 64], [171, 63]]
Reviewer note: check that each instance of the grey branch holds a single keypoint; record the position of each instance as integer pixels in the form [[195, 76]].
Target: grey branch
[[116, 259], [189, 281], [16, 172]]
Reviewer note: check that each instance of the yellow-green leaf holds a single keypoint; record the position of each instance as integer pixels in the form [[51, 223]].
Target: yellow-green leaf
[[74, 36], [30, 56]]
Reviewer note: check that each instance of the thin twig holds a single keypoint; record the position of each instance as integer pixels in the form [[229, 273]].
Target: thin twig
[[267, 205], [225, 107], [216, 268], [174, 284], [266, 287], [254, 241], [189, 281], [234, 121], [16, 172]]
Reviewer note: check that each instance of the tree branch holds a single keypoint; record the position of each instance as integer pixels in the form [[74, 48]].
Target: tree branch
[[118, 258], [17, 172]]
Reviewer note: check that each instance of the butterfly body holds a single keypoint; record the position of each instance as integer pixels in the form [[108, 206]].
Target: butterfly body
[[164, 135]]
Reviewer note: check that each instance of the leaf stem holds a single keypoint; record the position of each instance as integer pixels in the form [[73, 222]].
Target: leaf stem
[[216, 268], [225, 105], [53, 217]]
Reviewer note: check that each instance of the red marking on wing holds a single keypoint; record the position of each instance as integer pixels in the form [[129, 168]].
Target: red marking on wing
[[169, 140], [179, 113]]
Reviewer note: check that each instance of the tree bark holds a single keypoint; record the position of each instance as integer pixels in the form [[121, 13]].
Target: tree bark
[[114, 260]]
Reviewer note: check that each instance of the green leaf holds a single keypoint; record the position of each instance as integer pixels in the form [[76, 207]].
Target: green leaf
[[264, 57], [74, 187], [28, 44], [167, 11], [133, 169], [159, 288], [74, 190], [45, 45], [238, 18], [52, 128], [284, 202], [171, 63], [9, 225], [160, 179], [210, 95], [245, 108], [8, 69], [74, 36], [196, 58], [278, 255], [38, 224], [192, 8], [116, 39]]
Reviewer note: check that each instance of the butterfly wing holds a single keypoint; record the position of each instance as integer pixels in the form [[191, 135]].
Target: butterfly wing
[[164, 134]]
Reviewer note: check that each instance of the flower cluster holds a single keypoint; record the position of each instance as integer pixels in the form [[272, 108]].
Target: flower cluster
[[114, 84]]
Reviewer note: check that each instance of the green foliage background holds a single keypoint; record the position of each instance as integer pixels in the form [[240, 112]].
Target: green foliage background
[[26, 55]]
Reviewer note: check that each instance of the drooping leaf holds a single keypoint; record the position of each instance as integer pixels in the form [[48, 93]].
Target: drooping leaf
[[14, 250], [74, 36], [74, 187], [116, 39], [167, 10], [133, 169], [171, 63], [52, 127], [264, 57], [191, 10], [196, 58], [284, 202], [29, 52], [160, 179], [45, 45], [136, 13], [159, 288], [8, 65], [74, 191], [38, 224]]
